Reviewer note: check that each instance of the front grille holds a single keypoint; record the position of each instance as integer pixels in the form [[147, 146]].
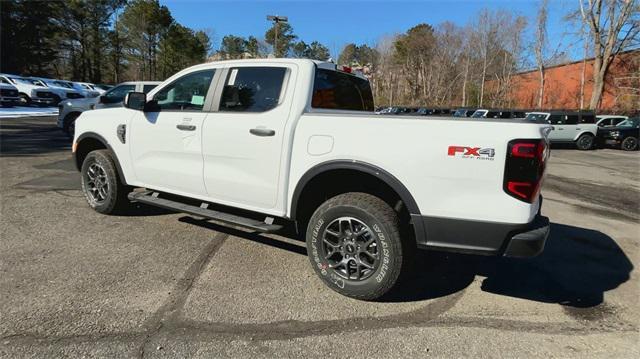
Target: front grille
[[9, 92], [74, 95], [44, 94]]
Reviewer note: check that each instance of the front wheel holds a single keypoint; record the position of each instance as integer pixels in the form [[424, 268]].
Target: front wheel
[[24, 100], [355, 247], [101, 185], [585, 142], [630, 144]]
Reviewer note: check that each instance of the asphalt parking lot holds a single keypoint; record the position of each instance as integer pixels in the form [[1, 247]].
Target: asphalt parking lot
[[74, 283]]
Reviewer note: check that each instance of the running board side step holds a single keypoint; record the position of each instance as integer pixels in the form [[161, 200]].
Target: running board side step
[[152, 198]]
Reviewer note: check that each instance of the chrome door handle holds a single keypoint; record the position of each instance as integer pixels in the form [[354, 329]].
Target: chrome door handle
[[186, 127], [262, 132]]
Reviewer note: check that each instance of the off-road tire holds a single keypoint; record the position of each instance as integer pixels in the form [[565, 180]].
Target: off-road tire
[[115, 195], [585, 142], [629, 144], [392, 249]]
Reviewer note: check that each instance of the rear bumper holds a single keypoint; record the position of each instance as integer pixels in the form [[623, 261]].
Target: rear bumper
[[485, 238]]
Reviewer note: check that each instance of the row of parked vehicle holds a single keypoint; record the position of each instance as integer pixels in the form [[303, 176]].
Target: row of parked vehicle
[[21, 90], [69, 110], [585, 129]]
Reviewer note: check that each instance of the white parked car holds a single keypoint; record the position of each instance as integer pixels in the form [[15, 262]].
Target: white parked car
[[62, 89], [609, 120], [89, 89], [296, 141], [68, 111], [578, 127], [8, 93], [31, 91]]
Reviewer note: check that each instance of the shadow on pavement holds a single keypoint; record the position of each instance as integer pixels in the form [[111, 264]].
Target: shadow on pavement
[[577, 266], [31, 136]]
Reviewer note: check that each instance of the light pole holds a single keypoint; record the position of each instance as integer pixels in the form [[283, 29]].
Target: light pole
[[276, 20]]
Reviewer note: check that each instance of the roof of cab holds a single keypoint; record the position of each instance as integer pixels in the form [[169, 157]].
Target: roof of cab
[[321, 64]]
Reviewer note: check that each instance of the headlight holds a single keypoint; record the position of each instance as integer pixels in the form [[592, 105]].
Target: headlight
[[614, 134], [68, 103]]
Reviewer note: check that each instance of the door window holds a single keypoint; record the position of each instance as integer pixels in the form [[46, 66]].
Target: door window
[[556, 119], [588, 119], [187, 93], [572, 119], [252, 89]]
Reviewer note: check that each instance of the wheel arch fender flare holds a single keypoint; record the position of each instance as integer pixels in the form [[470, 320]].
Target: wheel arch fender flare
[[360, 166], [105, 143], [584, 132]]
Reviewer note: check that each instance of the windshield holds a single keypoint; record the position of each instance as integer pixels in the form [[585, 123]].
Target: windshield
[[536, 117], [27, 81], [630, 123], [460, 113], [479, 114], [62, 84]]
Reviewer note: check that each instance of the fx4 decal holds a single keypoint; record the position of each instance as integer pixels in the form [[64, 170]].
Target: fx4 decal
[[472, 152]]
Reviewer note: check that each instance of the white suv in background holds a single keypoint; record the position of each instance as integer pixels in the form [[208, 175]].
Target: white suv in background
[[31, 91], [577, 127], [62, 89], [68, 111]]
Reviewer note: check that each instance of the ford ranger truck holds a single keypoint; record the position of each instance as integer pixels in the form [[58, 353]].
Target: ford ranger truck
[[263, 144]]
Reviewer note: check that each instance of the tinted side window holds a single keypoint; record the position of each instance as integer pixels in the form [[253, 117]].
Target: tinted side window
[[505, 114], [572, 119], [556, 119], [186, 93], [117, 93], [340, 91], [252, 89], [148, 88], [588, 119], [493, 114]]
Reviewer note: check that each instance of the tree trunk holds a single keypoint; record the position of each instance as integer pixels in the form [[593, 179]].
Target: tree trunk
[[541, 90]]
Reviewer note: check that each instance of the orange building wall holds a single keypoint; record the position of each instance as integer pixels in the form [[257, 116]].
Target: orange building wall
[[562, 85]]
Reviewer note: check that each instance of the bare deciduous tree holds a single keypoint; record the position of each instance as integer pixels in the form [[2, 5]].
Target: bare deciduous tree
[[540, 46], [613, 25]]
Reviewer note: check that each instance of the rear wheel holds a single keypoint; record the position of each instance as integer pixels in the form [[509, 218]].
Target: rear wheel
[[585, 142], [101, 185], [629, 144], [355, 247]]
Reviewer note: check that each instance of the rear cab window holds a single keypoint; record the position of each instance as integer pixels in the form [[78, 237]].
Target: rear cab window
[[336, 90]]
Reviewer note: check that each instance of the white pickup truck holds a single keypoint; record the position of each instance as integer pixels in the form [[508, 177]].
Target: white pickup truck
[[265, 143]]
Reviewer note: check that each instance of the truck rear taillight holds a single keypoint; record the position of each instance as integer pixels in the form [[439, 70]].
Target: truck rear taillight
[[524, 168]]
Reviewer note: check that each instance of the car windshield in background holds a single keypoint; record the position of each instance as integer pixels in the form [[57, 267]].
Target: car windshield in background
[[117, 93], [460, 113], [27, 81], [339, 91], [630, 123], [536, 116], [478, 114]]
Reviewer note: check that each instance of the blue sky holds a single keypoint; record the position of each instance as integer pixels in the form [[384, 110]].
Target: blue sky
[[335, 23]]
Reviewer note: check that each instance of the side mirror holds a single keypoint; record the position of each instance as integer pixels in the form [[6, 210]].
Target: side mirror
[[135, 100]]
